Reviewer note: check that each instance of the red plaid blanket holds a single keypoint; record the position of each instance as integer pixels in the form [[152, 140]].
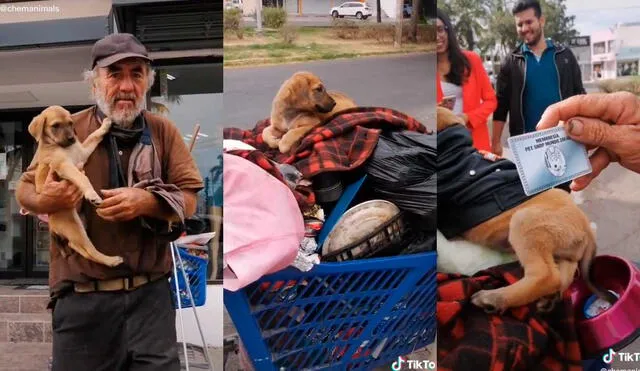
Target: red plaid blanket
[[520, 339], [343, 143]]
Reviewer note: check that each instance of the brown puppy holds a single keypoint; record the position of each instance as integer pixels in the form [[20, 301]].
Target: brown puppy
[[59, 151], [301, 104], [550, 235]]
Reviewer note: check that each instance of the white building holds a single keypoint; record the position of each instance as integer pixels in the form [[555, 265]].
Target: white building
[[615, 51], [603, 56], [581, 48]]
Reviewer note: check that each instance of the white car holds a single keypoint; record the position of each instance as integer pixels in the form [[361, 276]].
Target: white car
[[233, 4], [352, 9]]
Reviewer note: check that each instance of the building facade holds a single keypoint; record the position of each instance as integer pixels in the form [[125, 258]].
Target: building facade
[[615, 52], [581, 48]]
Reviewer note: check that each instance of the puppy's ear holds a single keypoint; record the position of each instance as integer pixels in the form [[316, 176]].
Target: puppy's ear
[[36, 127], [288, 95]]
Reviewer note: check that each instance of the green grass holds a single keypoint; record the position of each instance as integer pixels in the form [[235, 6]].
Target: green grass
[[312, 43], [276, 50]]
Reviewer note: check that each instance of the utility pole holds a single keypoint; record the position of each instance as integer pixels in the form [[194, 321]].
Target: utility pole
[[259, 18], [378, 11], [399, 5]]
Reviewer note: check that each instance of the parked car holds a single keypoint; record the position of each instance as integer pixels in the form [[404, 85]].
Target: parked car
[[352, 9], [407, 10], [233, 4]]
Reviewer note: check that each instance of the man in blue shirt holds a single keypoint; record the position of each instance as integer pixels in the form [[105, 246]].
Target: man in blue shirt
[[535, 75]]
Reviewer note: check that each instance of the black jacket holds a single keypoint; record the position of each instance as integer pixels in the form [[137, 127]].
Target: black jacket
[[510, 84], [471, 189]]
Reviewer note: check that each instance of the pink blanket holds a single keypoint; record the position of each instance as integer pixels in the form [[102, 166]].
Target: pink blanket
[[263, 226]]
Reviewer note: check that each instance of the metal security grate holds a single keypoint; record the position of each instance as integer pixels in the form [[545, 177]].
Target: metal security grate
[[163, 22]]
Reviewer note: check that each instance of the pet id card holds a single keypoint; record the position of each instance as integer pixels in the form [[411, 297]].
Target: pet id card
[[548, 158]]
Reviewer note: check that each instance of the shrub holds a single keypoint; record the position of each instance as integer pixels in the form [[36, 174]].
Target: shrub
[[628, 83], [345, 29], [274, 17], [426, 33], [289, 33], [232, 20]]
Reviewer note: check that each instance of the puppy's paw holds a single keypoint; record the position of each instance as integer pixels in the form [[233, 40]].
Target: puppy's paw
[[106, 124], [113, 261], [93, 197], [489, 300], [547, 303], [286, 146], [269, 139]]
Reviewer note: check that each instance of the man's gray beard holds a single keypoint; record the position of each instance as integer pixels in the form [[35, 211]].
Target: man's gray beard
[[124, 118]]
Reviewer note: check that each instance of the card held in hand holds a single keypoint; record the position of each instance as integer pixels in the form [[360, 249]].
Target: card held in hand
[[548, 158]]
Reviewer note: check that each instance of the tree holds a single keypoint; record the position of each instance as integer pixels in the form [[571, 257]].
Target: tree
[[469, 18], [502, 36], [415, 15], [559, 26]]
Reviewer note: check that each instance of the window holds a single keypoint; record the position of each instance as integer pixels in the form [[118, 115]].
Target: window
[[627, 68], [599, 48], [12, 224], [611, 47], [190, 95]]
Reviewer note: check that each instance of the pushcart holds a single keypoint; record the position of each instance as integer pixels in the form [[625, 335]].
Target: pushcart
[[353, 315], [189, 290]]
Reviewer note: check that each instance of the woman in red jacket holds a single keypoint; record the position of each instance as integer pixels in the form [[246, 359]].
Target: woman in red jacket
[[462, 75]]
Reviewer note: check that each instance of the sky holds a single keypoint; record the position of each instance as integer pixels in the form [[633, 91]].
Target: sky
[[595, 15]]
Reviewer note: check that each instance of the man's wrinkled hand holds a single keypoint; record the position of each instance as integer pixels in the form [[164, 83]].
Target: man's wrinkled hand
[[124, 204], [608, 122], [59, 194]]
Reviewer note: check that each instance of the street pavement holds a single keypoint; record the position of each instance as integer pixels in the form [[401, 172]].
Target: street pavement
[[404, 83]]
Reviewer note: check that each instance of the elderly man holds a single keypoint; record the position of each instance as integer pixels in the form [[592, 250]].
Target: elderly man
[[119, 318]]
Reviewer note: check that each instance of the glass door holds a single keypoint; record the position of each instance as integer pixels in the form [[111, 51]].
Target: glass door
[[13, 241]]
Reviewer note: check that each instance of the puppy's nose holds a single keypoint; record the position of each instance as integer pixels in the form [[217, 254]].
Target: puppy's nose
[[71, 139]]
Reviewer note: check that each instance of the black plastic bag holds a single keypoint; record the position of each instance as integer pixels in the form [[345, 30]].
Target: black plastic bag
[[402, 170], [419, 236]]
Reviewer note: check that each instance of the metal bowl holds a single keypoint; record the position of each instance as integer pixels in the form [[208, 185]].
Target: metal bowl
[[359, 222]]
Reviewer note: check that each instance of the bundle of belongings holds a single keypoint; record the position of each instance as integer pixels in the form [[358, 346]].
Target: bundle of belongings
[[476, 329], [284, 199]]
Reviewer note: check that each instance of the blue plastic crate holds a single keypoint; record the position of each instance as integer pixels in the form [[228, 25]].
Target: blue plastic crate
[[353, 315], [196, 270]]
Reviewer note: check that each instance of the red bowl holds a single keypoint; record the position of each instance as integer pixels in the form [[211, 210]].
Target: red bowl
[[619, 325]]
